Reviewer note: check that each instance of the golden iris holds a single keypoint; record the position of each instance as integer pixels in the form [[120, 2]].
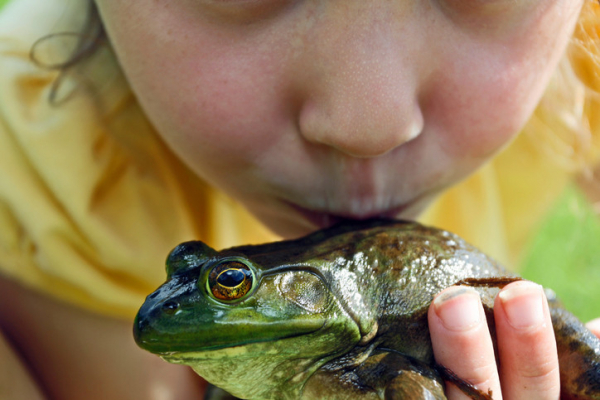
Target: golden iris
[[230, 280]]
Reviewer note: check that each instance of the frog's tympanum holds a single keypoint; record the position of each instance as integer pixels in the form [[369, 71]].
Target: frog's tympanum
[[339, 314]]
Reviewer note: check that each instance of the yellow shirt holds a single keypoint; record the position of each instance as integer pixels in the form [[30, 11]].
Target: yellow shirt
[[92, 201]]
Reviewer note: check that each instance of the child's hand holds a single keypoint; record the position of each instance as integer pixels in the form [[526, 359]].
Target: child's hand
[[526, 344]]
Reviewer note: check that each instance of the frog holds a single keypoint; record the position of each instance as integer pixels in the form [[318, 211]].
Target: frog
[[338, 314]]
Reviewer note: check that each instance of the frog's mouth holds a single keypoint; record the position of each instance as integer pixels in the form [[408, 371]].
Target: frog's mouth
[[214, 354], [246, 350], [170, 340]]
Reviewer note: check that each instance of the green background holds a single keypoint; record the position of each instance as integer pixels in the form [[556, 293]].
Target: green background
[[565, 255]]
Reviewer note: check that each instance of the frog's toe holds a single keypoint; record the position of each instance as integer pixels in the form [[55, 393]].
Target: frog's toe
[[413, 385]]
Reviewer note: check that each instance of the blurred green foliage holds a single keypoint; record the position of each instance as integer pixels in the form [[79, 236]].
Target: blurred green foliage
[[565, 255], [2, 2]]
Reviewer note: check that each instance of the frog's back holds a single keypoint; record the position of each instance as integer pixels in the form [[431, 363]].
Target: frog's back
[[410, 265], [390, 271], [384, 272]]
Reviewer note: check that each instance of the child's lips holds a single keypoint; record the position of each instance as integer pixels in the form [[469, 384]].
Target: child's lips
[[324, 219]]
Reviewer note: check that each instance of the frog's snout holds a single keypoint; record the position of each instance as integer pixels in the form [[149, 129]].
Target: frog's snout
[[139, 326], [146, 327]]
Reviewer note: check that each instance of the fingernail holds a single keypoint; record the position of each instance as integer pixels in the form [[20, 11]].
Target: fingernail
[[458, 308], [523, 303]]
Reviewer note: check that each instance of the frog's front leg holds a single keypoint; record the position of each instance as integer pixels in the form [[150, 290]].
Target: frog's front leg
[[215, 393], [383, 375], [399, 377], [412, 385]]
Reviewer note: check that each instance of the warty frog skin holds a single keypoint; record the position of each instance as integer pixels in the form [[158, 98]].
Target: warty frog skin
[[337, 315]]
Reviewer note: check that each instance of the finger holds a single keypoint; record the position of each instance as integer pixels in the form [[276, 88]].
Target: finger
[[526, 344], [461, 340], [594, 326]]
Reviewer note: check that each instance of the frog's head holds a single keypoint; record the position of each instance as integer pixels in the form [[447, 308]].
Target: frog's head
[[243, 326]]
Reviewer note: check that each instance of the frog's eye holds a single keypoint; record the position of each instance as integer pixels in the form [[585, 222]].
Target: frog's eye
[[230, 280]]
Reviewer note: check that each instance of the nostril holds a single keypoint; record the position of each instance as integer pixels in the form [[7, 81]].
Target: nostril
[[139, 329], [170, 307], [141, 324]]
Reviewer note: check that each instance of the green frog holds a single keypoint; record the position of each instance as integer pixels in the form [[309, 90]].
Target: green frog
[[339, 314]]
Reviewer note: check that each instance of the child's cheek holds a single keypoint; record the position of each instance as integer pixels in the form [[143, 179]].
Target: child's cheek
[[221, 99], [487, 87], [481, 111], [474, 119]]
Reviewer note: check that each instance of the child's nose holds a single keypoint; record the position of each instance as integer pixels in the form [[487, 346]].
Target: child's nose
[[361, 124], [361, 87]]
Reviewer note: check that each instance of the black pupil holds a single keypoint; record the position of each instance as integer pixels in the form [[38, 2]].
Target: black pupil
[[231, 278]]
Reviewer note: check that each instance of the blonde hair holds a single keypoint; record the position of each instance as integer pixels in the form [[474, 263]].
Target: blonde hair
[[566, 122]]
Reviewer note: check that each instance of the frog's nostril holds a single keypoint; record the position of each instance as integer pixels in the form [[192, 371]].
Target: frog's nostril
[[170, 307], [141, 324], [139, 329]]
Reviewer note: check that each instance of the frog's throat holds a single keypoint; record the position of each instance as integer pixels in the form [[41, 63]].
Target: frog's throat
[[265, 370], [261, 382]]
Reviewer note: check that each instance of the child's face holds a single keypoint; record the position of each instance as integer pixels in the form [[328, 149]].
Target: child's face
[[310, 110]]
